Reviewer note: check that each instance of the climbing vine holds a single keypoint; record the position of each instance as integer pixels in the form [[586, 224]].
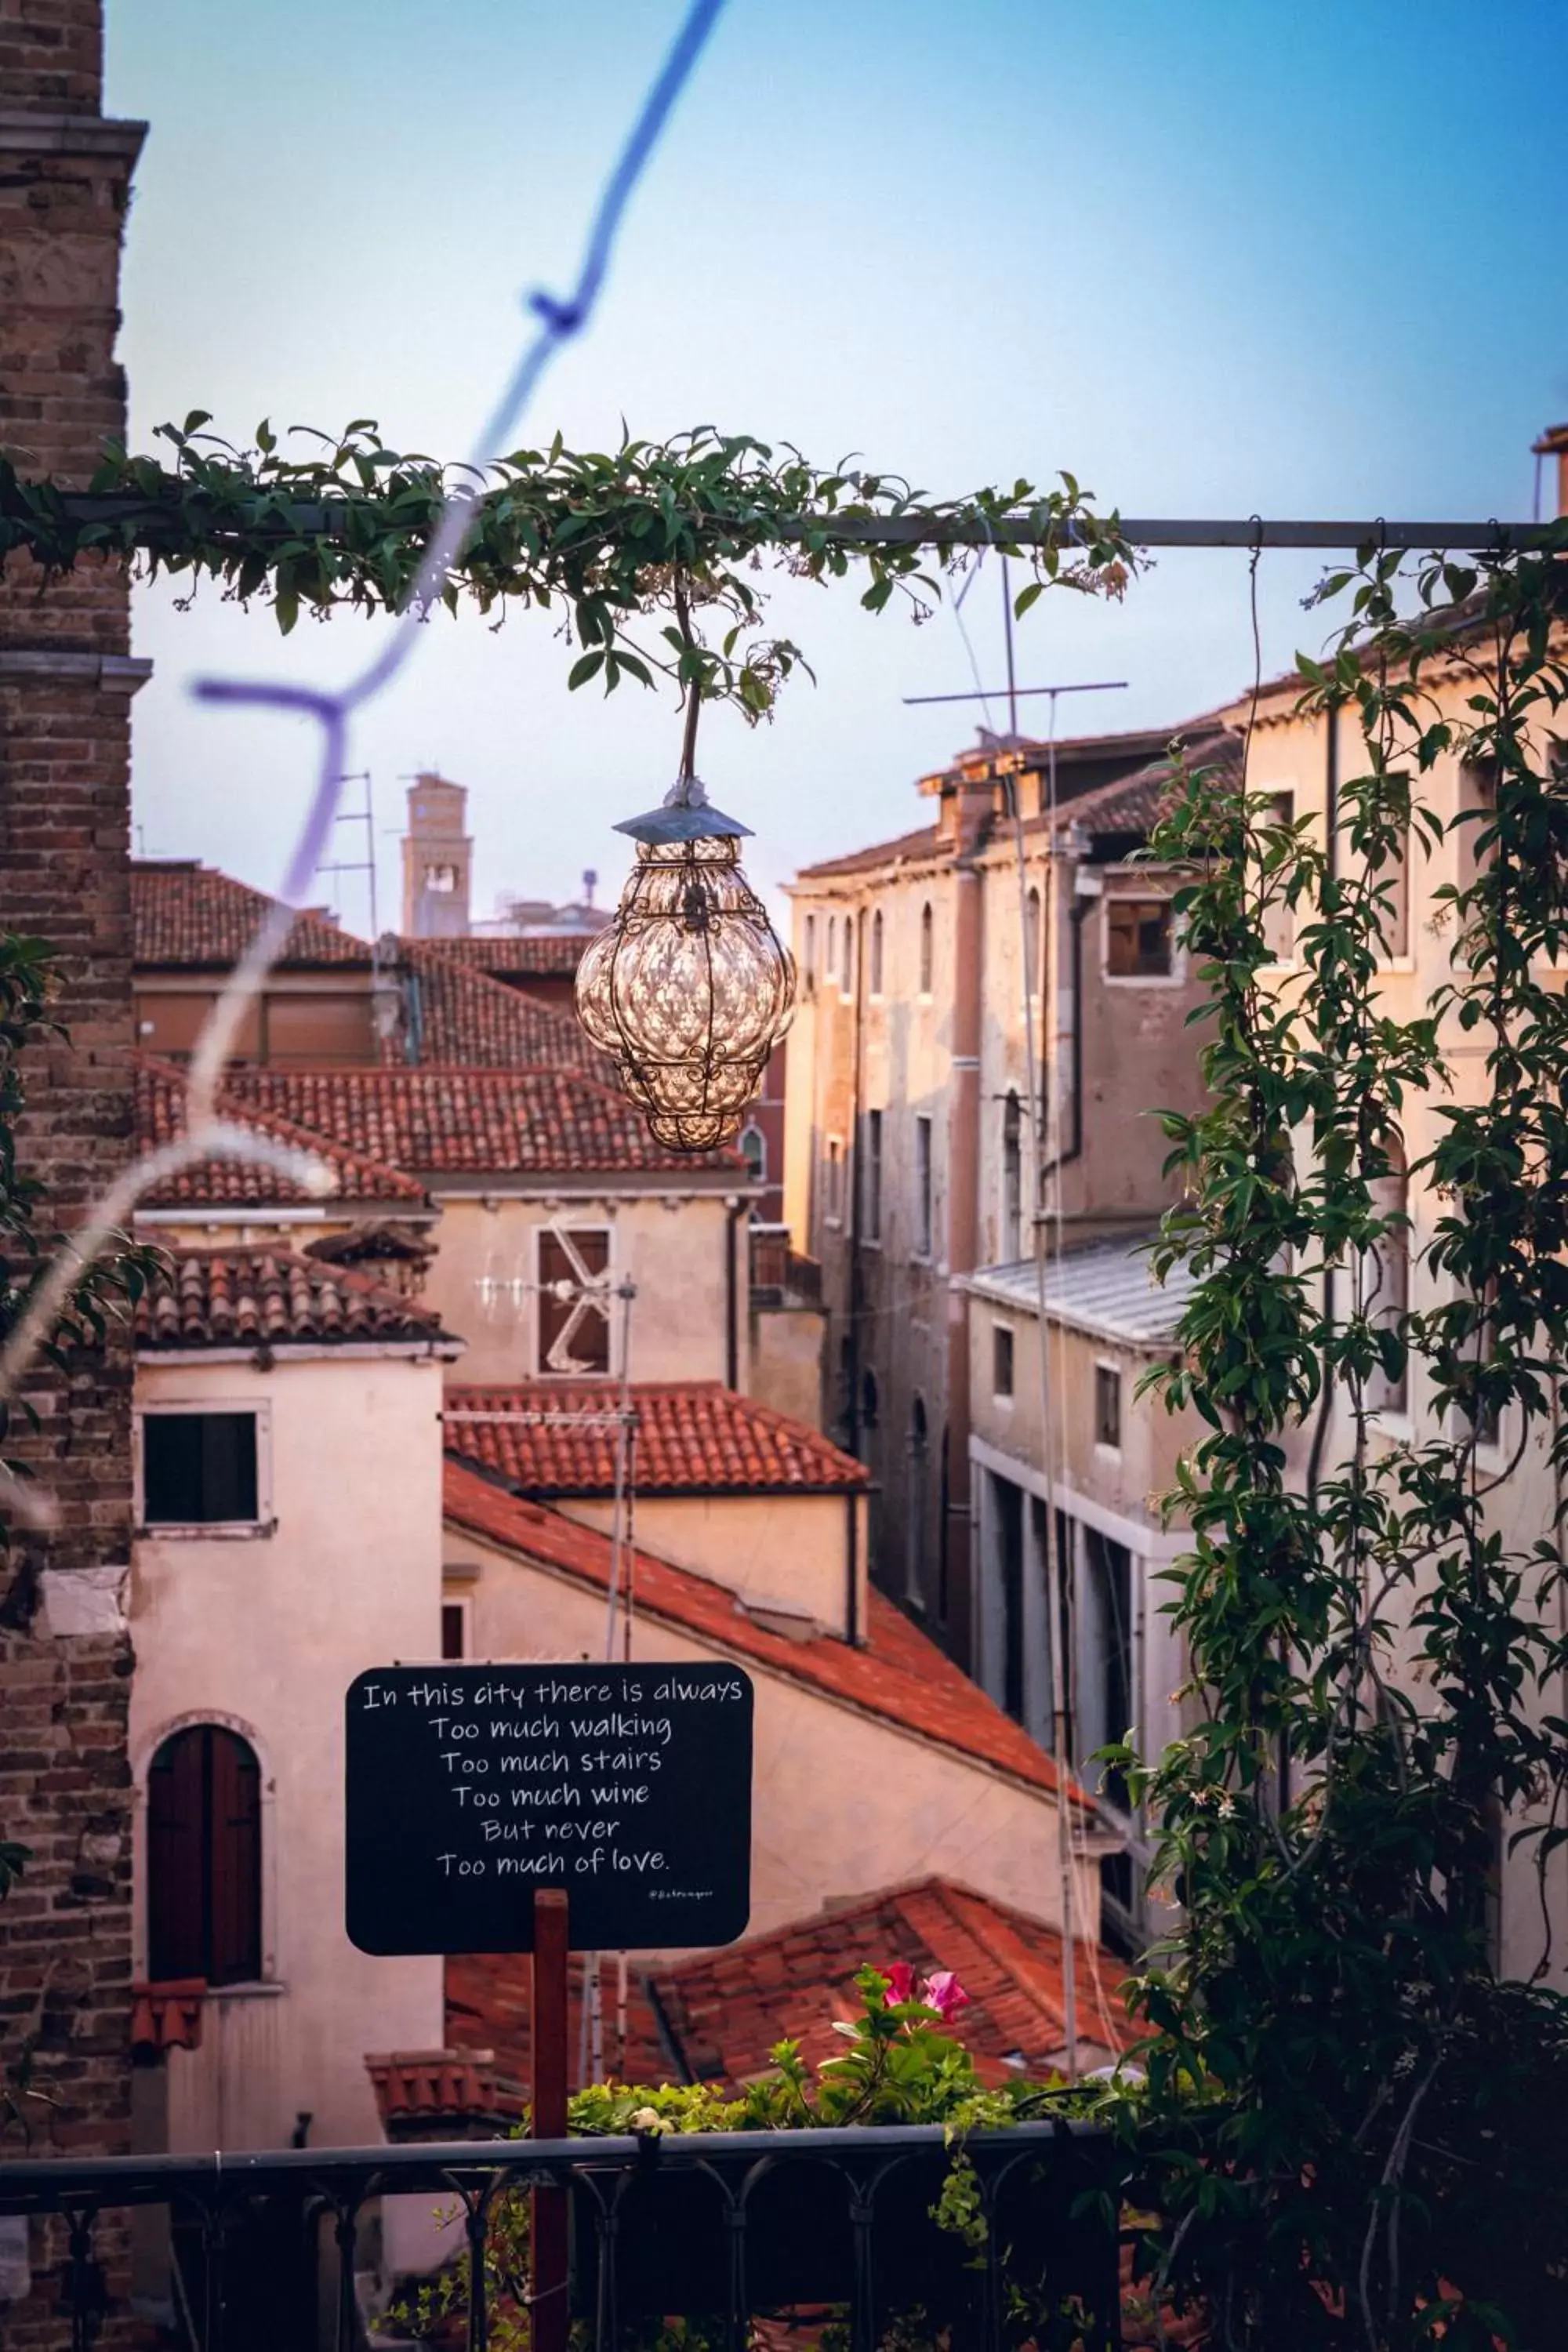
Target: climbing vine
[[310, 523], [1364, 2122]]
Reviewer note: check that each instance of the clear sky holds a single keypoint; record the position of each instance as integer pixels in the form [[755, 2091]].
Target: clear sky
[[1213, 256]]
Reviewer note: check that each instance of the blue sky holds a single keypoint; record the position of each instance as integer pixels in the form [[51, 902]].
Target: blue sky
[[1213, 256]]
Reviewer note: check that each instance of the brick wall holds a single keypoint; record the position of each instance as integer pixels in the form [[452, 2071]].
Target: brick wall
[[65, 679]]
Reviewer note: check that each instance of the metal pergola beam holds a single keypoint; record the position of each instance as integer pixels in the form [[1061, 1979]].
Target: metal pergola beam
[[920, 528]]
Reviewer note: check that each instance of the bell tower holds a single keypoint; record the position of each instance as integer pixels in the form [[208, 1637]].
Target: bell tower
[[437, 860]]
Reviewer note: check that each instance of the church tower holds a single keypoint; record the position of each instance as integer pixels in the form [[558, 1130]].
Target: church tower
[[437, 861]]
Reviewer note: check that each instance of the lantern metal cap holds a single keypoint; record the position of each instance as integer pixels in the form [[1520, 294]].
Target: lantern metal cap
[[686, 813]]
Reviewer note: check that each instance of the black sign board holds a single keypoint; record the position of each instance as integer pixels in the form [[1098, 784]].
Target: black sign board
[[470, 1788]]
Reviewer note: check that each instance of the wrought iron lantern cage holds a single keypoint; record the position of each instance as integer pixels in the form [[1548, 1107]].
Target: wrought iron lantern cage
[[688, 987]]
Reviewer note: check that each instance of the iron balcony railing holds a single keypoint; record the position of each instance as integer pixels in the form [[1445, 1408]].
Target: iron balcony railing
[[268, 2252]]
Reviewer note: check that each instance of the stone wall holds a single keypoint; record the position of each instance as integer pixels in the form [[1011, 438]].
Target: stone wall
[[66, 676]]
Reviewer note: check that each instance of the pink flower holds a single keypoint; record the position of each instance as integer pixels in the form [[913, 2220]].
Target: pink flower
[[900, 1982], [943, 1993]]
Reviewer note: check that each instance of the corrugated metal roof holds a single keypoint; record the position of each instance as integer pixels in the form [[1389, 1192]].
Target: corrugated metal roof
[[1107, 1288]]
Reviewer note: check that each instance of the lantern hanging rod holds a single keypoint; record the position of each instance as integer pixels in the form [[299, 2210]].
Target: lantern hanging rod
[[924, 528]]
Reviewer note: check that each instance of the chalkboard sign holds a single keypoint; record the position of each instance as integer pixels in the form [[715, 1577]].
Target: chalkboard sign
[[471, 1787]]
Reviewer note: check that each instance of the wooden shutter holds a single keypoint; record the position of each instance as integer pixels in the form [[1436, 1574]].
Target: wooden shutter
[[176, 1936], [235, 1845], [203, 1858]]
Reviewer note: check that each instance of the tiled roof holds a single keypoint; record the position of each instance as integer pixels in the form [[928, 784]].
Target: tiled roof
[[1106, 1288], [1133, 804], [693, 1438], [471, 1019], [716, 2017], [161, 1092], [555, 956], [184, 913], [725, 2011], [478, 1123], [905, 850], [418, 2089], [899, 1675], [254, 1299]]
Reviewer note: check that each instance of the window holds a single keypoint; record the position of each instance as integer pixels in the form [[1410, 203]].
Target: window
[[917, 1543], [876, 982], [199, 1470], [203, 1858], [454, 1629], [1104, 1700], [923, 1187], [1385, 1275], [1476, 822], [808, 954], [834, 1186], [1278, 919], [1000, 1361], [573, 1323], [1012, 1182], [873, 1202], [847, 977], [868, 1401], [1007, 1505], [753, 1147], [441, 878], [1032, 977], [1392, 880], [1138, 938], [832, 947], [927, 957], [1107, 1405]]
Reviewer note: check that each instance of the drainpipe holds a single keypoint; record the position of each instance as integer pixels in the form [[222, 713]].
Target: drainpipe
[[856, 1281], [852, 1568], [963, 1211], [737, 1210], [1079, 915]]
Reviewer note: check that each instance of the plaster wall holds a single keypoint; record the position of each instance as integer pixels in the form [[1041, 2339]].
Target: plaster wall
[[844, 1802], [673, 1246], [263, 1634], [787, 1361], [790, 1548]]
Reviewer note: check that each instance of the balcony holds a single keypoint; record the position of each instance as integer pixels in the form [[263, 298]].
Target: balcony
[[781, 1276], [282, 2252]]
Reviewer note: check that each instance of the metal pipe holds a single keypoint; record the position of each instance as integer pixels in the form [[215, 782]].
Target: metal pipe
[[852, 1568], [737, 1210]]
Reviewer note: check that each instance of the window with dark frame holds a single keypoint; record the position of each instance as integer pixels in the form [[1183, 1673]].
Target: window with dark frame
[[1107, 1405], [923, 1187], [199, 1470], [808, 956], [203, 1858], [1139, 935], [927, 949], [1000, 1361], [873, 1203], [454, 1629], [876, 978]]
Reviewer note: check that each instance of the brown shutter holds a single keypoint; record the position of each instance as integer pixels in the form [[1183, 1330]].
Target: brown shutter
[[235, 1930], [176, 1939]]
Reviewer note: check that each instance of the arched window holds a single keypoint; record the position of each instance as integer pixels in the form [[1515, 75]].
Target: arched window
[[753, 1149], [1386, 1272], [203, 1858], [1032, 980], [917, 1537], [831, 965], [927, 954], [809, 955], [876, 953], [847, 977], [868, 1401], [1012, 1182]]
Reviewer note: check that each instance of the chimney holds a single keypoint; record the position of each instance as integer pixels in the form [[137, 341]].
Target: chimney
[[1553, 443]]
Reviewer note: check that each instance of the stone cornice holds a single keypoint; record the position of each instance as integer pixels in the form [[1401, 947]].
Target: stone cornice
[[37, 665], [25, 131]]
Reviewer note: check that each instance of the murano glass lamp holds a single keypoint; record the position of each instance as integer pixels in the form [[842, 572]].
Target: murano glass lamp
[[687, 987]]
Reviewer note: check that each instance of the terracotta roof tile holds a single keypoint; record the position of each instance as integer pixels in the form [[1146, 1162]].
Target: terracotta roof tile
[[462, 1121], [693, 1438], [469, 1019], [161, 1096], [555, 956], [725, 2010], [905, 850], [898, 1675], [1133, 804], [185, 913], [254, 1299], [717, 2016]]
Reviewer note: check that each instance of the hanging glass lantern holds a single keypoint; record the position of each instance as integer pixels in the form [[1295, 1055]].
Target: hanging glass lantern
[[688, 987]]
